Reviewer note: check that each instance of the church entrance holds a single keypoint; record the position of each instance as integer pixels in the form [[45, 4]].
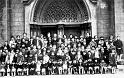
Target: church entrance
[[51, 30], [75, 31], [37, 30], [61, 29], [72, 14]]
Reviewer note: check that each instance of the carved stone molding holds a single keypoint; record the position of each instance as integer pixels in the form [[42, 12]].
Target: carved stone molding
[[26, 2], [62, 11], [93, 1]]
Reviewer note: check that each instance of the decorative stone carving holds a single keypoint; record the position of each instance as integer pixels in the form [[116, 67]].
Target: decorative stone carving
[[26, 1], [62, 11], [93, 1]]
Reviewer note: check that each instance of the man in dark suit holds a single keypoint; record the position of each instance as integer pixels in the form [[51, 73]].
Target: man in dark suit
[[54, 40], [6, 45], [36, 42], [119, 47], [88, 39]]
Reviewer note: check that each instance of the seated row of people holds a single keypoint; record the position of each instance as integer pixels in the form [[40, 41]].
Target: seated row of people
[[61, 66]]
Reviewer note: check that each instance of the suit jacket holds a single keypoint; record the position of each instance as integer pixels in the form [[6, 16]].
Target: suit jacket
[[36, 43]]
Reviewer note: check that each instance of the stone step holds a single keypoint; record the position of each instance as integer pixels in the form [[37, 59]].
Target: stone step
[[120, 68]]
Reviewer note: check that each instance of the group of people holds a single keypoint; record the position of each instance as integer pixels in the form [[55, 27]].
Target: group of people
[[48, 55]]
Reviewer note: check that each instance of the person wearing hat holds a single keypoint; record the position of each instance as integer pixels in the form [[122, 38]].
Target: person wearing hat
[[60, 62]]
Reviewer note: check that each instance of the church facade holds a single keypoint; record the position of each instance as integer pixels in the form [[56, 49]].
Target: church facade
[[76, 17]]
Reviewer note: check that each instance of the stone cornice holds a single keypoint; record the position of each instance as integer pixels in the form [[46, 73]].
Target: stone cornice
[[27, 2], [93, 1]]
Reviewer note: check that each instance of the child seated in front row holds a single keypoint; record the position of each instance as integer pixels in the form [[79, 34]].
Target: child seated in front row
[[2, 69], [81, 68], [69, 67], [103, 67], [65, 67], [38, 65], [97, 66]]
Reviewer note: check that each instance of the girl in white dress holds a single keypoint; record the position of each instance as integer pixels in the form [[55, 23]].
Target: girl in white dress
[[38, 65]]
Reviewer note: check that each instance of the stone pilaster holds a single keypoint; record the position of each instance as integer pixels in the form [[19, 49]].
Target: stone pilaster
[[17, 17]]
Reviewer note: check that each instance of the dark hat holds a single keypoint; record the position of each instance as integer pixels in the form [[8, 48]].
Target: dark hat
[[102, 38]]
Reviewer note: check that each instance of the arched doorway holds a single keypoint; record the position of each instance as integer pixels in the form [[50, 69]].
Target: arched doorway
[[74, 15], [61, 29]]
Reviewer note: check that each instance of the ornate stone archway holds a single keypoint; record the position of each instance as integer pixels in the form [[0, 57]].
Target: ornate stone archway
[[42, 12], [54, 11]]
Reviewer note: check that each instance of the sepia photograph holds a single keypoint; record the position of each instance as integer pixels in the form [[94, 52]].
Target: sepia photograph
[[62, 38]]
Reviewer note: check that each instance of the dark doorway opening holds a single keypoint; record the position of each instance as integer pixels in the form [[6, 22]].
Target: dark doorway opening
[[51, 30], [75, 29]]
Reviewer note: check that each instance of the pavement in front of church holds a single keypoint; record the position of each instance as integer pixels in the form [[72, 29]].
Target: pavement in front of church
[[120, 75]]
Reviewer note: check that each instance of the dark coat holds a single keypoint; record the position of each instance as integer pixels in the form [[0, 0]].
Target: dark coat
[[35, 42], [118, 44]]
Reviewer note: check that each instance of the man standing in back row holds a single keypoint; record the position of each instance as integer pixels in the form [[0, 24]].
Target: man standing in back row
[[88, 39], [119, 47]]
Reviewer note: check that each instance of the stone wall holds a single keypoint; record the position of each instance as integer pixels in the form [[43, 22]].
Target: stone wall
[[2, 21], [119, 18], [17, 17], [105, 17]]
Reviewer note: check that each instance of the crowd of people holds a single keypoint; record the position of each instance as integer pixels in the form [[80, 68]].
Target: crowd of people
[[46, 55]]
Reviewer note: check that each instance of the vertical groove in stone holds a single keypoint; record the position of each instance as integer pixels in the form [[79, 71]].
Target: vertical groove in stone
[[103, 18], [119, 18], [17, 18]]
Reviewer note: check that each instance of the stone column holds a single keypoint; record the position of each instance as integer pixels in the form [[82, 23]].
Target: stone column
[[93, 19], [17, 18]]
